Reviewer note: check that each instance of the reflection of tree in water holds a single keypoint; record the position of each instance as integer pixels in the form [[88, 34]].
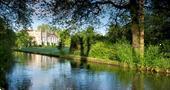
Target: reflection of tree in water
[[133, 80], [24, 84], [5, 66], [142, 81], [157, 82], [7, 39], [82, 64], [62, 84], [47, 62], [138, 82], [23, 58], [37, 61], [73, 64], [6, 63]]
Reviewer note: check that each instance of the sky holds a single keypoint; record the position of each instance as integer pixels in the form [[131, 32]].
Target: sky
[[102, 29], [36, 22]]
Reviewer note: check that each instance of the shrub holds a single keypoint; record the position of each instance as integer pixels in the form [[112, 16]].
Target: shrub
[[151, 54], [123, 51], [165, 48], [154, 58], [102, 50]]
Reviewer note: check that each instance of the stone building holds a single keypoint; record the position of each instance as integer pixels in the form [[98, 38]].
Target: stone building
[[43, 38]]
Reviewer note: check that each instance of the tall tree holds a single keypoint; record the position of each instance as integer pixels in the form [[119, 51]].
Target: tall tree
[[89, 38], [137, 27], [44, 28], [83, 11], [7, 40], [23, 39], [63, 34]]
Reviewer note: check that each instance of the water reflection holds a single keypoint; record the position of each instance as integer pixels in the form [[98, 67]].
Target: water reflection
[[38, 72], [6, 63]]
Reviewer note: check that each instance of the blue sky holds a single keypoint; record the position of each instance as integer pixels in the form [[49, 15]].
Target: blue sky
[[36, 22]]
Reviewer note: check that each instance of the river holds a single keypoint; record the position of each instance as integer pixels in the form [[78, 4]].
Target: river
[[39, 72]]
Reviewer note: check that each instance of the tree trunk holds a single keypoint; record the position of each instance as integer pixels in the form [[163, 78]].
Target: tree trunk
[[141, 28], [88, 46], [71, 45], [137, 28], [81, 46], [138, 82]]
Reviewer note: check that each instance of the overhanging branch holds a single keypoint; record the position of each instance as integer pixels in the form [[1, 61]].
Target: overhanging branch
[[125, 6]]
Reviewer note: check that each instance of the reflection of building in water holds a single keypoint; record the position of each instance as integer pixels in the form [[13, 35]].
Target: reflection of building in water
[[40, 61]]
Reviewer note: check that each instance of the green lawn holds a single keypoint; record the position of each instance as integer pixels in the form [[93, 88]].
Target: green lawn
[[47, 50]]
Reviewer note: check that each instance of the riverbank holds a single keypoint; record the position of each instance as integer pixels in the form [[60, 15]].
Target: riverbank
[[65, 54]]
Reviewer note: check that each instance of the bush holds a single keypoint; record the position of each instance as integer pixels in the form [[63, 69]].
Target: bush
[[102, 50], [151, 55], [123, 51], [154, 58], [165, 48]]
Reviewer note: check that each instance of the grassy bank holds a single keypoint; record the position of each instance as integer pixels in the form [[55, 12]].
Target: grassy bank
[[122, 60], [46, 50], [64, 53]]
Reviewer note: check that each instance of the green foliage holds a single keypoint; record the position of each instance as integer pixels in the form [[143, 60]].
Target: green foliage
[[46, 50], [44, 28], [74, 44], [102, 50], [90, 32], [154, 58], [17, 12], [151, 55], [64, 38], [23, 39], [115, 33], [88, 37], [123, 51], [156, 28], [165, 48], [7, 41], [82, 41]]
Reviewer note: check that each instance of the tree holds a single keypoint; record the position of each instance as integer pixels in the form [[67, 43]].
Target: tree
[[74, 44], [157, 22], [63, 34], [44, 28], [23, 39], [117, 32], [7, 38], [89, 38], [83, 39], [16, 12], [89, 10], [137, 27], [7, 41]]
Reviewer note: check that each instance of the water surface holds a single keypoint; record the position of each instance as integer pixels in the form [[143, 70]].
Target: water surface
[[38, 72]]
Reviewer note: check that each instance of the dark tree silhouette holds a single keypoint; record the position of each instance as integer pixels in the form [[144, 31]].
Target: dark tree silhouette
[[16, 12]]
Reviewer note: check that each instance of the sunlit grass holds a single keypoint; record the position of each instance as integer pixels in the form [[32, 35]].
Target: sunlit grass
[[46, 50], [120, 51]]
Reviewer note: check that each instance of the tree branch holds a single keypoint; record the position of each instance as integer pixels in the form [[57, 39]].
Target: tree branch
[[113, 4]]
